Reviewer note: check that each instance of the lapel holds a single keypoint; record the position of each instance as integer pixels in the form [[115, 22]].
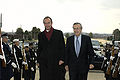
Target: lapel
[[82, 43], [73, 46]]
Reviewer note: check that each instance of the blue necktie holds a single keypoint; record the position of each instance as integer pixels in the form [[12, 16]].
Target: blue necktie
[[77, 47]]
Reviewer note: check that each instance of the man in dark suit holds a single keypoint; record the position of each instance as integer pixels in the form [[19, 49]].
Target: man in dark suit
[[18, 59], [51, 49], [79, 54]]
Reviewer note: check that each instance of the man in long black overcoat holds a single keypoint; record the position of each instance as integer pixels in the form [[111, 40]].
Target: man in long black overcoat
[[51, 48]]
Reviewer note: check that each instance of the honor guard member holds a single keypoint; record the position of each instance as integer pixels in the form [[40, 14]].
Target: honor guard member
[[18, 59], [114, 59], [26, 64], [32, 60], [107, 51], [1, 57], [7, 72], [119, 73], [119, 67], [116, 69]]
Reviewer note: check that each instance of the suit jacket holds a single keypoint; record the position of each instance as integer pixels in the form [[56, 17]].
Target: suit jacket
[[80, 63]]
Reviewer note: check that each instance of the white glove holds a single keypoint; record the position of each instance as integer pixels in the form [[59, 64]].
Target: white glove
[[105, 58], [111, 57], [32, 68], [35, 61], [1, 57], [112, 67], [14, 65], [24, 63], [107, 62], [33, 58], [119, 54]]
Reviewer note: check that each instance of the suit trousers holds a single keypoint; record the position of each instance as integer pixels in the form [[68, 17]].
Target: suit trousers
[[76, 75]]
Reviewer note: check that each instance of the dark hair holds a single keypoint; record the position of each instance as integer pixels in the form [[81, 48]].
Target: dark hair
[[76, 23], [46, 18], [30, 44], [26, 47]]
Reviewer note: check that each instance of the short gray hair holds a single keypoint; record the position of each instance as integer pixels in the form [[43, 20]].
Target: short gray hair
[[77, 23]]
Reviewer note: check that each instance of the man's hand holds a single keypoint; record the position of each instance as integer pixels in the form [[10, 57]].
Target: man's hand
[[91, 66], [61, 62], [24, 63], [14, 65], [66, 68], [32, 69]]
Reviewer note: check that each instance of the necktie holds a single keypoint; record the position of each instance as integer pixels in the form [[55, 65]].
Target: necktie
[[77, 47]]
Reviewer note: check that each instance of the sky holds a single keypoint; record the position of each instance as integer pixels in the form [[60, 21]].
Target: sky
[[96, 16]]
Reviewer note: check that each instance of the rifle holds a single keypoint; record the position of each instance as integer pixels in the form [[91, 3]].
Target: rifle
[[116, 68], [108, 71], [13, 51], [104, 62], [1, 46], [103, 65], [24, 56]]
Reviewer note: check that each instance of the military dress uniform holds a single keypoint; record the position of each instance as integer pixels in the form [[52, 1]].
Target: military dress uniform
[[0, 68], [116, 70], [7, 72], [118, 78], [109, 77], [106, 59], [17, 72], [113, 65], [33, 63], [27, 72]]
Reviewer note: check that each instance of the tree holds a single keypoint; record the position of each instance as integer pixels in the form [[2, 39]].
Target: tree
[[116, 34], [19, 32], [26, 34], [35, 32], [29, 36], [110, 38], [91, 35]]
